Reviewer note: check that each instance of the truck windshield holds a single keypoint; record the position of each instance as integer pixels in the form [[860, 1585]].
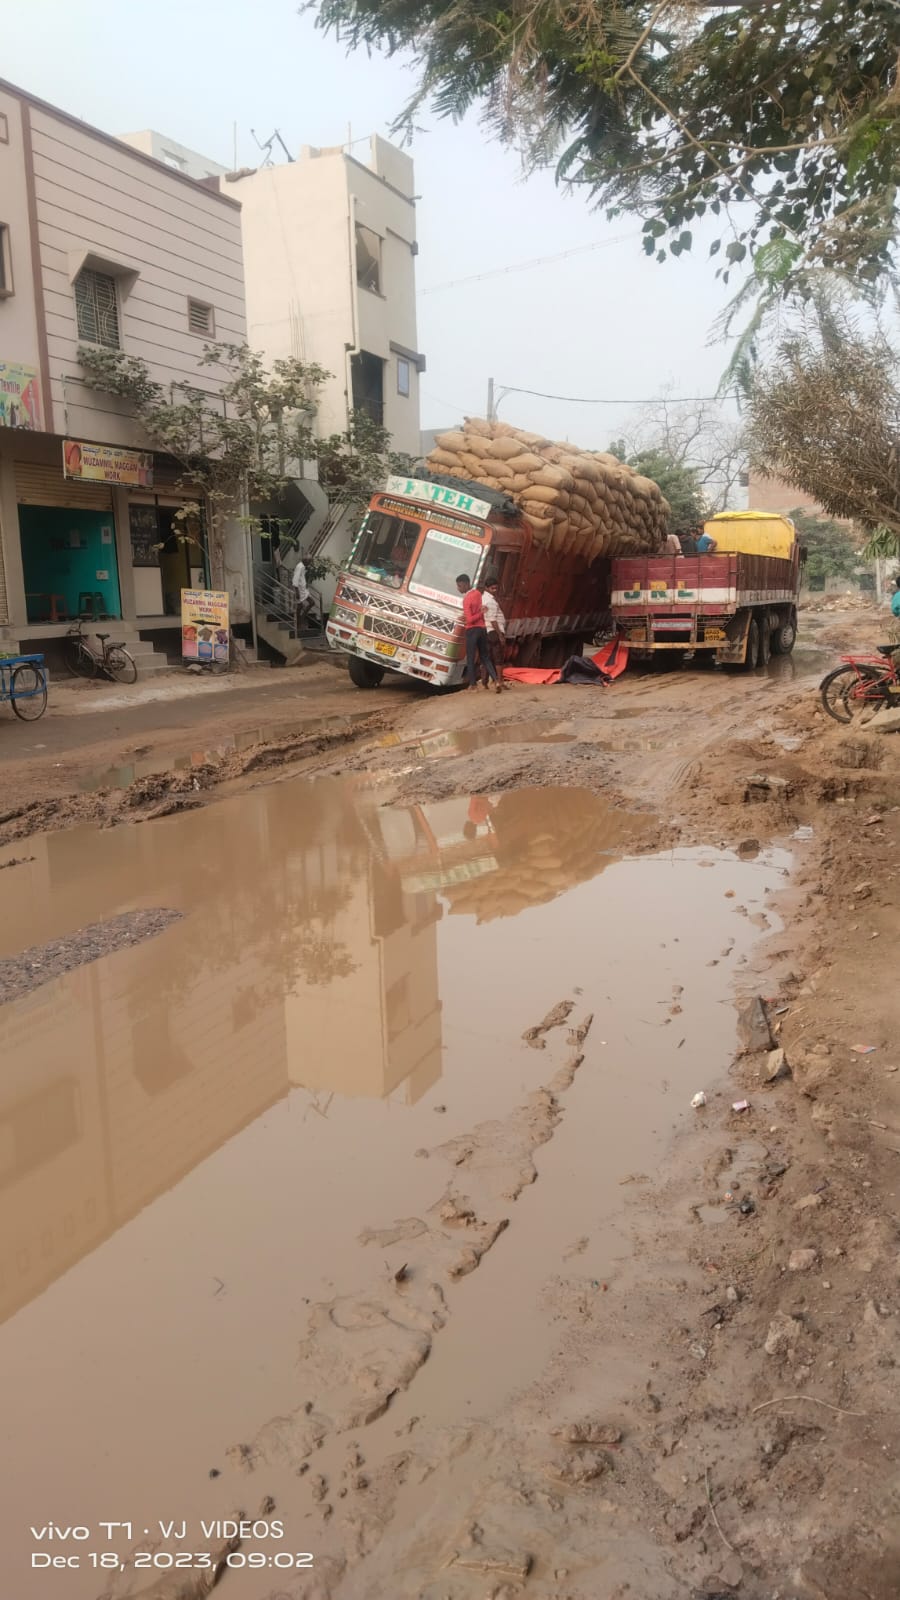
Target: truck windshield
[[384, 548], [442, 558]]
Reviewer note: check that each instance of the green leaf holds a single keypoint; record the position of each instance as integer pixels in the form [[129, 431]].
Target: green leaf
[[736, 251]]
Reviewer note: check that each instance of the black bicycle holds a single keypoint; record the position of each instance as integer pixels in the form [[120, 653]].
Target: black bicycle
[[113, 661]]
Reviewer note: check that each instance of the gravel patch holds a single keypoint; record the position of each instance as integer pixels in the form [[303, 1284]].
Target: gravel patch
[[20, 974]]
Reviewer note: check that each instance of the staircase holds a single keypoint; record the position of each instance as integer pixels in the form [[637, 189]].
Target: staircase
[[149, 661], [276, 618]]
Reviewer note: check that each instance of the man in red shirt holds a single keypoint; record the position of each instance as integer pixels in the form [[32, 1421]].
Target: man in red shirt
[[476, 634]]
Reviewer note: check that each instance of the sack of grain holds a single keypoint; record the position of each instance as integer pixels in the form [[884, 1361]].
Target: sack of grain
[[588, 502]]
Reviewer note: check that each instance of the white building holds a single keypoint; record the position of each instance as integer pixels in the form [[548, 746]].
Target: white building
[[330, 267], [174, 155]]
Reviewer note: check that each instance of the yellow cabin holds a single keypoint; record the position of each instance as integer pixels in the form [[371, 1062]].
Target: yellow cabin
[[752, 533]]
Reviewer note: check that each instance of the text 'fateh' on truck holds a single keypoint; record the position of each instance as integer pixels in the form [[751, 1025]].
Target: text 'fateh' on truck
[[562, 531]]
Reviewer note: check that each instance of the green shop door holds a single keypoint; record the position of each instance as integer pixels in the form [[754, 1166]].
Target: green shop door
[[68, 556]]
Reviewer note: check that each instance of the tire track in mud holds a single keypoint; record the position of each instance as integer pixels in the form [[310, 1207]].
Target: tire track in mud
[[363, 1348]]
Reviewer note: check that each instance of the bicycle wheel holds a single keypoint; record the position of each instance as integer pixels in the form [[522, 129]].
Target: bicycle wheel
[[120, 665], [80, 661], [28, 692], [852, 695]]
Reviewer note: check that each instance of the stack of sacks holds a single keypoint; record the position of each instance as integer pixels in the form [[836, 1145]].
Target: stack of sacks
[[580, 502]]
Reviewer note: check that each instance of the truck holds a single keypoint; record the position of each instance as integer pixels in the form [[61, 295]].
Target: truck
[[396, 606], [738, 604]]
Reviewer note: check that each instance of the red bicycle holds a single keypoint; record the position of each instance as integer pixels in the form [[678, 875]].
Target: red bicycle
[[863, 686]]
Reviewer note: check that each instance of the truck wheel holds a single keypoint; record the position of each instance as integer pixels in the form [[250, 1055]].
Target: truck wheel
[[751, 659], [784, 637], [363, 673], [765, 642]]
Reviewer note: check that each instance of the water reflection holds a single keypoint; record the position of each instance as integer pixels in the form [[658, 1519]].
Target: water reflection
[[308, 959]]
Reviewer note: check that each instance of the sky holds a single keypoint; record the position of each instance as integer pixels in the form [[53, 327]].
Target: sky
[[603, 324]]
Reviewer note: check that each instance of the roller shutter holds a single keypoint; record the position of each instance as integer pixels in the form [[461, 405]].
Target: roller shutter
[[38, 485]]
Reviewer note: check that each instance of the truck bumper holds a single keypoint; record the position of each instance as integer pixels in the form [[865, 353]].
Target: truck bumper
[[723, 637]]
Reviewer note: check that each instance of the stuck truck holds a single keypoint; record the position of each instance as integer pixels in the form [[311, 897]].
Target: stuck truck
[[740, 603], [396, 606]]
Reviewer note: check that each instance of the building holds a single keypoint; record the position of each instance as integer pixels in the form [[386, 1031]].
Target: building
[[330, 266], [771, 494], [100, 244], [174, 155]]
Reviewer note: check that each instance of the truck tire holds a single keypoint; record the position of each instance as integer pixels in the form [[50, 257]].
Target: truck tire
[[751, 659], [784, 636], [364, 673], [765, 641]]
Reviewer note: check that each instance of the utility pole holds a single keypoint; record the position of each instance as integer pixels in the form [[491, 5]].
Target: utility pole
[[490, 400]]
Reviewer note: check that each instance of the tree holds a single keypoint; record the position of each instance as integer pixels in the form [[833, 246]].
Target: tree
[[831, 551], [679, 483], [246, 441], [674, 109], [698, 435], [825, 417]]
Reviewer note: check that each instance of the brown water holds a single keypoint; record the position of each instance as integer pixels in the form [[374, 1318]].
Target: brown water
[[465, 741], [194, 1133]]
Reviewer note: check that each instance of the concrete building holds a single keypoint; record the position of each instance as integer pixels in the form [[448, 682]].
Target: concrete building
[[172, 154], [330, 266], [771, 494], [100, 244]]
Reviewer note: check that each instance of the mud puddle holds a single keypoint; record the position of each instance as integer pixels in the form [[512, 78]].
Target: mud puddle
[[465, 741], [246, 1128]]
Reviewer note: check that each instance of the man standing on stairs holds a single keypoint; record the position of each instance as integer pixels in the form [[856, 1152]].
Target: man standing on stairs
[[301, 593]]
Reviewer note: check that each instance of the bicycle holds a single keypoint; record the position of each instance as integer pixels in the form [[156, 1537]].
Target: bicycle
[[863, 686], [83, 662], [23, 682]]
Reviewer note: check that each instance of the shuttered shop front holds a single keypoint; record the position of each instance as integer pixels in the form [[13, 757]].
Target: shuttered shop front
[[68, 538], [38, 485]]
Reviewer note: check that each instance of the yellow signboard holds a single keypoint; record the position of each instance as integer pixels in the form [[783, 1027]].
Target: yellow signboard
[[105, 463], [204, 625]]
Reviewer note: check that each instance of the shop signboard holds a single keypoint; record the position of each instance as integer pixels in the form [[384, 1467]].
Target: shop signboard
[[106, 463], [204, 625], [20, 397]]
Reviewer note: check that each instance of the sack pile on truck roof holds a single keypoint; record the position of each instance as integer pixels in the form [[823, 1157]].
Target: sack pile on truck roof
[[581, 502]]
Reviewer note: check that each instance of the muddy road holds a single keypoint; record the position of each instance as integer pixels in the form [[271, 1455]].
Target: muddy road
[[351, 1181]]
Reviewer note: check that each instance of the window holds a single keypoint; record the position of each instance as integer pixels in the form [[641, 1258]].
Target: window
[[403, 376], [367, 376], [6, 277], [97, 308], [368, 259], [384, 548], [443, 557], [172, 160], [200, 318]]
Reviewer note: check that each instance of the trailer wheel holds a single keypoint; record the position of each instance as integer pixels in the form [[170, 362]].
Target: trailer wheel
[[784, 637], [751, 659], [363, 673]]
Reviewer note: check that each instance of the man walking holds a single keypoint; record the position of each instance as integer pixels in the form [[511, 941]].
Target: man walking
[[476, 634], [495, 622]]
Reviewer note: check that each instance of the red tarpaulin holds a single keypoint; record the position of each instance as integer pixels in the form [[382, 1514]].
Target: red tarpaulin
[[611, 658]]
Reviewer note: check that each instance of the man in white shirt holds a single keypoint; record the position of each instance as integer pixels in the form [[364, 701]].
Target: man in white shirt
[[495, 622]]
